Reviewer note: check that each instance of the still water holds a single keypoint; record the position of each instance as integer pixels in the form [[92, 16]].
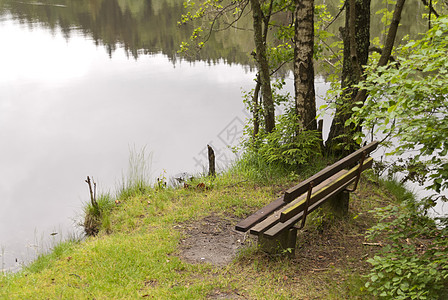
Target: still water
[[68, 109], [85, 83], [74, 105]]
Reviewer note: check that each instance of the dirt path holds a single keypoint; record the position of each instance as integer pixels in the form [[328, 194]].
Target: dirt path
[[211, 240]]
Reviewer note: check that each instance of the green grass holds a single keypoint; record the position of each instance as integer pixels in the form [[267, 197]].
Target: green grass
[[136, 253], [397, 189]]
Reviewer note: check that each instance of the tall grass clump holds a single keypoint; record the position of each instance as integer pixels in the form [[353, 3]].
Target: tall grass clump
[[255, 168], [398, 189], [98, 216], [137, 181]]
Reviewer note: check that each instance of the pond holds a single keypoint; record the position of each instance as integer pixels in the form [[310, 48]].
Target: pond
[[83, 85]]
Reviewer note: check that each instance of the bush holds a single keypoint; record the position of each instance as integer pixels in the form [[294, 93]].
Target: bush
[[97, 217], [287, 145], [414, 263]]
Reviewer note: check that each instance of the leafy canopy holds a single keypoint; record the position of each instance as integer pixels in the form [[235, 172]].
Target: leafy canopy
[[408, 103]]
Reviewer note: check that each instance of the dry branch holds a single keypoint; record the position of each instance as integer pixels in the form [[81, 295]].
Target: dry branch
[[91, 182]]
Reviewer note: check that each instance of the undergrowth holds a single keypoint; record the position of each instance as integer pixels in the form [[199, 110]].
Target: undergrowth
[[413, 264]]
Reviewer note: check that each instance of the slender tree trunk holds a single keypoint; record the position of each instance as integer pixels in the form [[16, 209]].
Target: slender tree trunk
[[339, 134], [356, 38], [386, 52], [391, 34], [263, 66], [305, 99], [256, 110]]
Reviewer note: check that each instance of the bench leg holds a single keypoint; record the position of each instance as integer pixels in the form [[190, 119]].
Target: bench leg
[[285, 242], [338, 204]]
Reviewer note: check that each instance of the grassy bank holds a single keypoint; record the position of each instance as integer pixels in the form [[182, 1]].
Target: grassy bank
[[142, 248]]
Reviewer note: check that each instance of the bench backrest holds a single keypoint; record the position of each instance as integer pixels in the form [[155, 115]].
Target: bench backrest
[[329, 171]]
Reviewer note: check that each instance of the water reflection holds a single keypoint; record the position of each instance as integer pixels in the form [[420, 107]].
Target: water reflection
[[68, 111], [140, 27], [150, 26]]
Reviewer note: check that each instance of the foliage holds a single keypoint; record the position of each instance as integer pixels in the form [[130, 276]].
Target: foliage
[[414, 263], [287, 146], [408, 104]]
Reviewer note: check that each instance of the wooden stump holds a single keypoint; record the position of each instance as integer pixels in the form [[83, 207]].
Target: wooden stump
[[211, 161]]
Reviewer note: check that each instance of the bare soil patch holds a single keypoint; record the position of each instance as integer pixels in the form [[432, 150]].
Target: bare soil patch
[[211, 240]]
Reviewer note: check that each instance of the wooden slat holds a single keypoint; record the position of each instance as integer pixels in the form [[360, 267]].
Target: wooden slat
[[279, 227], [329, 171], [260, 215], [275, 217], [291, 211]]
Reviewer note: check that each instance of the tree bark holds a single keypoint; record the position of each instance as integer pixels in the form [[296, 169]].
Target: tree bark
[[263, 66], [350, 95], [211, 162], [256, 110], [356, 39], [305, 99], [391, 34], [386, 53]]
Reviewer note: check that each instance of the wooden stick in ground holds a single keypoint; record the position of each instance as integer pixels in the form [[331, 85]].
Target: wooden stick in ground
[[211, 161], [92, 192]]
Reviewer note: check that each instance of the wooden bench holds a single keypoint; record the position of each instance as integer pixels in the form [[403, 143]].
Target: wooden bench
[[275, 224]]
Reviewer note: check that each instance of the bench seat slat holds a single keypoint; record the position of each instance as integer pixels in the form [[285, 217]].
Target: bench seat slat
[[275, 217], [260, 215], [279, 227]]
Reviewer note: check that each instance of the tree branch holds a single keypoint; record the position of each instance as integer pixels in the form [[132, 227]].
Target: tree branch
[[431, 8], [390, 39], [336, 17], [219, 14], [380, 51]]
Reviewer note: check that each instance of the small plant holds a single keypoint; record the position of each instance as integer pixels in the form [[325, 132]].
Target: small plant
[[161, 181], [320, 219], [288, 145], [97, 216]]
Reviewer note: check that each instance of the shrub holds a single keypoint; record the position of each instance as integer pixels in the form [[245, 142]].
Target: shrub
[[288, 145], [414, 262]]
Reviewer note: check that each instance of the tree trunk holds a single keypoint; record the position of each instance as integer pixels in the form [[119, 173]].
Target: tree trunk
[[305, 99], [356, 38], [388, 46], [391, 34], [263, 67], [255, 112]]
